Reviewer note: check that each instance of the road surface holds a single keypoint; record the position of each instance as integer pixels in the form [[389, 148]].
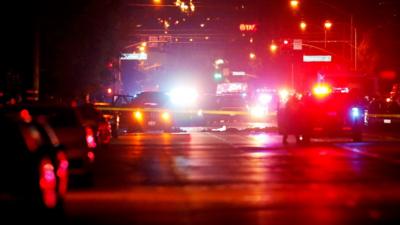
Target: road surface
[[240, 178]]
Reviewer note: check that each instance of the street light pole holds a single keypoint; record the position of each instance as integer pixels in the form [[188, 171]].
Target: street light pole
[[36, 65], [352, 42], [355, 50]]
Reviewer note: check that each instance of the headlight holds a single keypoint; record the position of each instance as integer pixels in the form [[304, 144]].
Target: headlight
[[166, 116], [184, 97], [258, 112], [264, 98], [284, 95], [138, 115]]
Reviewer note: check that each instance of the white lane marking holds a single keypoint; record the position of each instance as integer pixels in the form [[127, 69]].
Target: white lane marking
[[371, 155], [222, 139]]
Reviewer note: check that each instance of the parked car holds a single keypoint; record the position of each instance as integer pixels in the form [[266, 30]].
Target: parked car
[[151, 111], [79, 141], [33, 166]]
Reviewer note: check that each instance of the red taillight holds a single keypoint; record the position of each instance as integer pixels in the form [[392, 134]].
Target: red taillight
[[91, 156], [62, 173], [48, 183], [90, 139], [105, 132]]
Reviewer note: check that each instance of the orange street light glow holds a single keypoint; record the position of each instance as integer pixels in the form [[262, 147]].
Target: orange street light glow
[[157, 2], [294, 4], [273, 48], [303, 25], [328, 25]]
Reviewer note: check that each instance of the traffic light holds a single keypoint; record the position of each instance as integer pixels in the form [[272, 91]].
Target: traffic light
[[217, 76]]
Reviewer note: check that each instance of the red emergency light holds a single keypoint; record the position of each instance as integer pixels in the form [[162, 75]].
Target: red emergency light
[[321, 90]]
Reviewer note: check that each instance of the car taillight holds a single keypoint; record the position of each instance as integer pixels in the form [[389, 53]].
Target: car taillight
[[90, 139], [47, 183], [258, 111], [91, 156], [62, 172]]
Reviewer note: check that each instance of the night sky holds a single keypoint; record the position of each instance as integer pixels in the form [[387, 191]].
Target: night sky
[[78, 37]]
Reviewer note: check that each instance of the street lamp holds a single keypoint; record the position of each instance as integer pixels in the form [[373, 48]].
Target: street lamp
[[327, 25], [157, 2], [273, 48], [303, 25], [294, 4], [252, 56]]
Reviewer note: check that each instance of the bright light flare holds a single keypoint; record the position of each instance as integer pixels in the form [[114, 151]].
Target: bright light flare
[[294, 4], [184, 96], [264, 98], [252, 55], [166, 116], [303, 25], [157, 2], [321, 90], [138, 115], [328, 25], [219, 62], [273, 48], [355, 112], [109, 91], [258, 111], [284, 94]]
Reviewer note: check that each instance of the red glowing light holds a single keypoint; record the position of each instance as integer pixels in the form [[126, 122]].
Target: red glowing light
[[90, 140], [91, 156], [48, 184]]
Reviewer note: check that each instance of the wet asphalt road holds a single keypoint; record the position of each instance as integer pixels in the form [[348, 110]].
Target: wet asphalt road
[[240, 178]]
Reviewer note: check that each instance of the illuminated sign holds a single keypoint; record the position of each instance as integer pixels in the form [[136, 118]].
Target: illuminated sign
[[160, 38], [134, 56], [231, 88], [247, 27], [238, 73], [297, 44], [317, 58]]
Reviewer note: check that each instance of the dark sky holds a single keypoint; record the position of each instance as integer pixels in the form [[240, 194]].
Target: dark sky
[[79, 36]]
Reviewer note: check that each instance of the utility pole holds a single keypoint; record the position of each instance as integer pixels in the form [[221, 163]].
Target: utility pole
[[36, 65], [355, 49]]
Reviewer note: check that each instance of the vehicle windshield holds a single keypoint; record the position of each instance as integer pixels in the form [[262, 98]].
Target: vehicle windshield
[[151, 99]]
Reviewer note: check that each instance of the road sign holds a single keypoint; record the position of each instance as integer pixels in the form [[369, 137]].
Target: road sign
[[134, 56], [317, 58], [238, 73], [160, 38], [297, 44], [247, 27]]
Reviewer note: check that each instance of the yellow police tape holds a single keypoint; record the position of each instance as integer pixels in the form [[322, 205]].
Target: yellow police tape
[[196, 112], [216, 112], [384, 116]]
